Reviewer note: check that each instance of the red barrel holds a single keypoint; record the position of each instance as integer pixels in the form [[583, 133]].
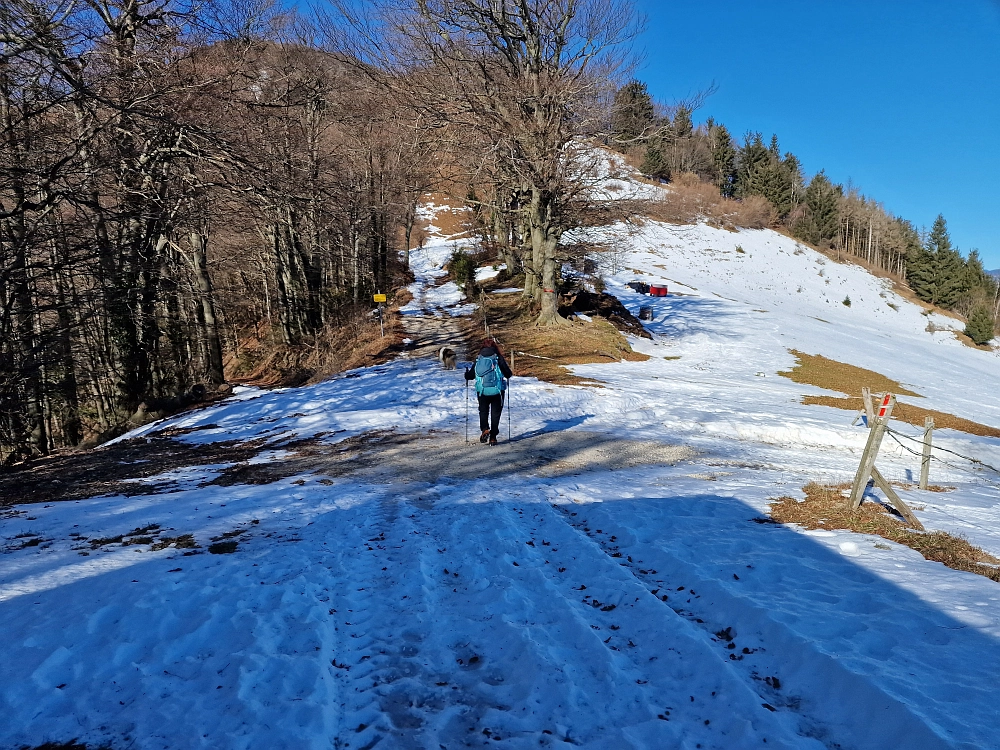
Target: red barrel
[[657, 290]]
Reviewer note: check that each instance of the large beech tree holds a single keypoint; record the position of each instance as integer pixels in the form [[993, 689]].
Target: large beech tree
[[527, 80]]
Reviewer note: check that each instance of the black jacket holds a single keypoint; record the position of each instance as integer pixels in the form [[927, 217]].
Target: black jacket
[[489, 351]]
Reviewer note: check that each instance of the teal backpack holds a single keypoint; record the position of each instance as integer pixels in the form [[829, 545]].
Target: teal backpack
[[489, 379]]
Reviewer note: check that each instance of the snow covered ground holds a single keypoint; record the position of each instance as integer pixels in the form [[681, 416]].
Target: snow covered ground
[[427, 263], [395, 588]]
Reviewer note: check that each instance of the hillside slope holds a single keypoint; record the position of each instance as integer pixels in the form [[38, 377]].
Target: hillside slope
[[606, 579]]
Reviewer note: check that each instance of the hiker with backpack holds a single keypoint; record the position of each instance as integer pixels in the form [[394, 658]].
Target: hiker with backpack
[[491, 373]]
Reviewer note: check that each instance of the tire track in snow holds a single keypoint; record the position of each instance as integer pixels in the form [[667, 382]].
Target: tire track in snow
[[847, 711], [382, 624], [652, 656], [492, 646]]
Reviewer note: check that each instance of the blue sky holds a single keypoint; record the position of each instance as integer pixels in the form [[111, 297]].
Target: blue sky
[[902, 98]]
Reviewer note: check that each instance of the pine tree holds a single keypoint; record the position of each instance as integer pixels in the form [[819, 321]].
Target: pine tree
[[763, 172], [723, 159], [654, 163], [949, 268], [753, 162], [975, 277], [920, 272], [682, 126], [632, 113], [821, 223], [773, 148], [937, 274], [980, 325], [788, 184]]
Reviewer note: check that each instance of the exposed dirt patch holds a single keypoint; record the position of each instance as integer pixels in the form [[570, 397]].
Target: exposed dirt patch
[[815, 369], [387, 457], [453, 219], [826, 507], [543, 353], [910, 414], [311, 456], [103, 472], [606, 306]]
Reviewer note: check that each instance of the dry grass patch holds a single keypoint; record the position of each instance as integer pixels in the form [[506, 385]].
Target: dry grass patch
[[357, 341], [815, 369], [688, 199], [910, 414], [547, 351], [825, 507]]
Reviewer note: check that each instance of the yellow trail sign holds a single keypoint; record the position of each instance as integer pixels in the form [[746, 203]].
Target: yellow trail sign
[[378, 297]]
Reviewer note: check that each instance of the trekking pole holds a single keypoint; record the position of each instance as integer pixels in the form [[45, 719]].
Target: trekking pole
[[466, 411], [509, 402]]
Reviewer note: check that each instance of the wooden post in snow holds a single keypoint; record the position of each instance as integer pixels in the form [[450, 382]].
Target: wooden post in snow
[[866, 395], [867, 468], [925, 459], [904, 510], [875, 436]]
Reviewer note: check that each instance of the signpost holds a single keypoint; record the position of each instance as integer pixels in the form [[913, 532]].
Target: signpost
[[379, 299]]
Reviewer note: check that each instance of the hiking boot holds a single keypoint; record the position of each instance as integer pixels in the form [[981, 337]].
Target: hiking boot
[[493, 440], [485, 436]]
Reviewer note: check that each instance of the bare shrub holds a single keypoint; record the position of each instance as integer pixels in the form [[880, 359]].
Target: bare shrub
[[689, 200], [754, 212]]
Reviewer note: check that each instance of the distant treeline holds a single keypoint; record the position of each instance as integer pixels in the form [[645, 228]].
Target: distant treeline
[[667, 145]]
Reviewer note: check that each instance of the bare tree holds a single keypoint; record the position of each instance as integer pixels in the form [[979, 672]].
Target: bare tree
[[531, 78]]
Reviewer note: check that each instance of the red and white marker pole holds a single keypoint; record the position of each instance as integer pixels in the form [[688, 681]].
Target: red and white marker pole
[[885, 404]]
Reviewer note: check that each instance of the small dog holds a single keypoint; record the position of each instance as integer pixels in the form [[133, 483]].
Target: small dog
[[448, 357]]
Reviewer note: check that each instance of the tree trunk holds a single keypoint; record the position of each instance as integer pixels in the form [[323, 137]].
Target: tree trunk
[[203, 284], [71, 425], [545, 234]]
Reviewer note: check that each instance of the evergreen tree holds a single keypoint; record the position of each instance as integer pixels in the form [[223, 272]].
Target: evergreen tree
[[753, 162], [763, 172], [654, 162], [937, 275], [975, 277], [980, 325], [821, 223], [682, 126], [723, 159], [773, 148], [920, 272], [939, 241], [787, 180], [632, 114], [949, 266]]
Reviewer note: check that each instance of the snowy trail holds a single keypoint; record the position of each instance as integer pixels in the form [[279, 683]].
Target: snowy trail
[[523, 670], [426, 615]]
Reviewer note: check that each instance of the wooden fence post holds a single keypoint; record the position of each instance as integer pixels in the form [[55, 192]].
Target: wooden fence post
[[866, 394], [867, 468], [904, 510], [925, 459], [875, 436]]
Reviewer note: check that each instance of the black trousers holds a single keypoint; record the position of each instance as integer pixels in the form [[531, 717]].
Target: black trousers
[[490, 408]]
